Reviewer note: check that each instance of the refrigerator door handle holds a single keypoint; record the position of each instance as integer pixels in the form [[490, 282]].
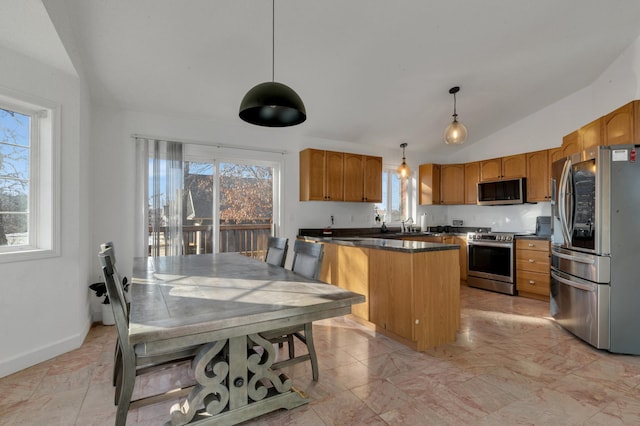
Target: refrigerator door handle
[[586, 287], [578, 259], [562, 205]]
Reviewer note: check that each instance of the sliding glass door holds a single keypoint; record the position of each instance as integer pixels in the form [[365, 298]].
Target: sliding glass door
[[227, 204]]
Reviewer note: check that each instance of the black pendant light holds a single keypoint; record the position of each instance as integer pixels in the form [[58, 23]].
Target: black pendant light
[[456, 132], [272, 104]]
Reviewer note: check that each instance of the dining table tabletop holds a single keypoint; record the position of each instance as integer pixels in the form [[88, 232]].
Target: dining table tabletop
[[223, 302]]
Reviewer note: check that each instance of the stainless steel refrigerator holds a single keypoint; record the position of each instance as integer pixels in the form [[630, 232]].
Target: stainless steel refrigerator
[[595, 284]]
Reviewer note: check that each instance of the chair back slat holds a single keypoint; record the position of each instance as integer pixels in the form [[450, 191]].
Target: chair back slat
[[121, 281], [277, 251], [307, 259], [118, 304]]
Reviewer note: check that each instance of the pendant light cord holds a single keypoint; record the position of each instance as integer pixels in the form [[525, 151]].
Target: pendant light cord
[[454, 106], [273, 41]]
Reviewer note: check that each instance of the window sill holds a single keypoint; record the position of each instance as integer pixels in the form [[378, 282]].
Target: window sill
[[27, 254]]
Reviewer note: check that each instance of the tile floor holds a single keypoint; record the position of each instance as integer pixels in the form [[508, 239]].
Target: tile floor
[[509, 365]]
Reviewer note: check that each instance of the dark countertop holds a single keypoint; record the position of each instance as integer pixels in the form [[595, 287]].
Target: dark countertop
[[533, 237], [406, 246]]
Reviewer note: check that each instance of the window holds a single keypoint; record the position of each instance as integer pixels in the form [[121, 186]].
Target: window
[[28, 179], [395, 200]]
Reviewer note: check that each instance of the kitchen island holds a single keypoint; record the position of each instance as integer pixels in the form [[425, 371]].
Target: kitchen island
[[412, 287]]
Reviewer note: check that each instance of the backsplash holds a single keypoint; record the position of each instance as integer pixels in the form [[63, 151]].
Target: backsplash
[[512, 218]]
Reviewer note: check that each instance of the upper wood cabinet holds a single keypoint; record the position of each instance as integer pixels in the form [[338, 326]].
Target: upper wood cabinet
[[429, 181], [591, 134], [337, 176], [353, 177], [362, 178], [512, 166], [553, 155], [471, 179], [321, 175], [372, 179], [452, 184], [538, 186], [622, 126], [587, 136], [490, 169], [571, 144]]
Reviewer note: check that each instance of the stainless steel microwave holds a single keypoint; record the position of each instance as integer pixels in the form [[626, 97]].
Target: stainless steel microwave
[[502, 192]]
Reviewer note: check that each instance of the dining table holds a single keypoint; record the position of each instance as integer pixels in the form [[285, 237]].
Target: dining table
[[223, 302]]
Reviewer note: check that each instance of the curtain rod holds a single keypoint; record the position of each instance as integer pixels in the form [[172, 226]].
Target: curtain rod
[[216, 145]]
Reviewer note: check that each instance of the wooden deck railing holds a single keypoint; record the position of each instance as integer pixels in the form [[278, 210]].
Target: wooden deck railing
[[250, 240]]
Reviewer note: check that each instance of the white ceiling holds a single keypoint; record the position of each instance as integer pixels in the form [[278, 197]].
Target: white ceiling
[[375, 72]]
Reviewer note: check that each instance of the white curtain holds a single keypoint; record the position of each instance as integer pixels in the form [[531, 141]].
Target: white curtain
[[160, 177]]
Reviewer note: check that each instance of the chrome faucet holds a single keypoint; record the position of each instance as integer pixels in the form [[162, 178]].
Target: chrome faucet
[[407, 221]]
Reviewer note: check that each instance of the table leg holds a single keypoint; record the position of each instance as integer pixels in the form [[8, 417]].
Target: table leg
[[236, 383]]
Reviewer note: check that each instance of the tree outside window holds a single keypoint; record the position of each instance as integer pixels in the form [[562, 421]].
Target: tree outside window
[[15, 154]]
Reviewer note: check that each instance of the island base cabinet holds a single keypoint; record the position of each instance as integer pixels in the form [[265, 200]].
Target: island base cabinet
[[348, 268], [415, 297], [390, 295]]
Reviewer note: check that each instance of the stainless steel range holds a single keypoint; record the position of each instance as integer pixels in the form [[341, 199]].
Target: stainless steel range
[[491, 261]]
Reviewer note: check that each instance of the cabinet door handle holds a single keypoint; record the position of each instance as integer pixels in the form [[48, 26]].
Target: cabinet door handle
[[531, 245], [532, 282], [532, 261]]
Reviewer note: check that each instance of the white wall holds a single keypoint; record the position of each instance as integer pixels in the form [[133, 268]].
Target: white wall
[[44, 303]]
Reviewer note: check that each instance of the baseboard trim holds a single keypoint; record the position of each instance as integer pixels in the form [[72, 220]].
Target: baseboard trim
[[43, 353]]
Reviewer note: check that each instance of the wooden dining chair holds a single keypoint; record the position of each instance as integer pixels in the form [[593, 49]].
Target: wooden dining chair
[[121, 286], [277, 251], [134, 359], [307, 261], [117, 354]]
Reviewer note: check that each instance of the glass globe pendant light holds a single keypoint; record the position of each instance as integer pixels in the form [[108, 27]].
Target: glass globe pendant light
[[455, 133], [272, 104], [403, 170]]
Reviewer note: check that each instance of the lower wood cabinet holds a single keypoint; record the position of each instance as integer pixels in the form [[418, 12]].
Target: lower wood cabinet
[[449, 239], [462, 254], [348, 268], [412, 297], [533, 268], [415, 298], [391, 295]]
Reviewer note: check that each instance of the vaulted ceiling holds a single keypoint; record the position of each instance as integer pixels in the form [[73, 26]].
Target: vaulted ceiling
[[375, 72]]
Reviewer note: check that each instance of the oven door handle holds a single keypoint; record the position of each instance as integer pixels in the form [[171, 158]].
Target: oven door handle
[[586, 287], [489, 244]]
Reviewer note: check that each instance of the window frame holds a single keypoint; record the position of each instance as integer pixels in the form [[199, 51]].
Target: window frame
[[387, 203], [44, 176]]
